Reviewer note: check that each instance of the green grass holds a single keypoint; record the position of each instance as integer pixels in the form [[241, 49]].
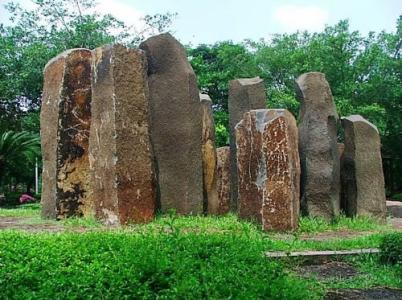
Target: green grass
[[25, 210], [372, 273], [126, 265], [316, 225], [176, 257]]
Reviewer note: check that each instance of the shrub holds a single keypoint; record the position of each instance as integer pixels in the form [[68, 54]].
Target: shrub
[[11, 199], [391, 248], [397, 197], [118, 265], [25, 198]]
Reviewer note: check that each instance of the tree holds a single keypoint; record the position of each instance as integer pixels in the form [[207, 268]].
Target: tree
[[18, 151], [36, 36]]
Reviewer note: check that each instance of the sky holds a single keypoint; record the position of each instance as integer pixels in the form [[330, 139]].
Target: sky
[[209, 21]]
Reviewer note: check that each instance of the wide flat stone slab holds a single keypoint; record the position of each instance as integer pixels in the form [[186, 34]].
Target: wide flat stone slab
[[322, 254]]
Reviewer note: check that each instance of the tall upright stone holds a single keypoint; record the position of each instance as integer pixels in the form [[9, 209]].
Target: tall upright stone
[[209, 162], [65, 124], [176, 125], [320, 179], [362, 174], [268, 167], [244, 95], [121, 158], [223, 179]]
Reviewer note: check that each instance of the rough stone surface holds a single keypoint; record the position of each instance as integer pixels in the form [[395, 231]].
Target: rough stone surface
[[362, 174], [268, 167], [65, 124], [320, 182], [223, 178], [121, 158], [176, 125], [211, 201], [244, 95]]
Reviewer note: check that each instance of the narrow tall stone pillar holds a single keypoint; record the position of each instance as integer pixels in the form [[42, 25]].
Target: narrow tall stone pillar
[[244, 95], [320, 181], [268, 166], [223, 178], [122, 170], [362, 175], [209, 162], [65, 124], [176, 125]]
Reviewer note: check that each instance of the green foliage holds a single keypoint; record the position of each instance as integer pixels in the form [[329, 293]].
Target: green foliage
[[391, 248], [361, 223], [37, 35], [397, 197], [18, 151], [364, 74], [122, 265]]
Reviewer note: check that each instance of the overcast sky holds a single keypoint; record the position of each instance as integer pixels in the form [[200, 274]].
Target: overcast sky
[[208, 21]]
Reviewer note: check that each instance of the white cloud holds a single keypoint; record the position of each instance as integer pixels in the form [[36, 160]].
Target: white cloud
[[293, 17], [122, 11]]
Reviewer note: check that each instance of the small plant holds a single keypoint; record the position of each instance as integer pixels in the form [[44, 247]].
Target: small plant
[[391, 248]]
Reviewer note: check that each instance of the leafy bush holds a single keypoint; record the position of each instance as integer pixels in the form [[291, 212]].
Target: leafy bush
[[105, 265], [397, 197], [11, 199], [391, 248]]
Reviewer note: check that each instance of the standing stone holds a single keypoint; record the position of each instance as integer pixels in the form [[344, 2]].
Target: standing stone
[[361, 173], [268, 168], [211, 200], [244, 95], [176, 125], [65, 123], [320, 182], [122, 171], [223, 178]]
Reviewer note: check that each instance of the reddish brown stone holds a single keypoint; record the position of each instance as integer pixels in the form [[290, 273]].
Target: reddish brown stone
[[65, 125], [211, 200], [122, 170], [244, 94], [268, 168], [223, 178]]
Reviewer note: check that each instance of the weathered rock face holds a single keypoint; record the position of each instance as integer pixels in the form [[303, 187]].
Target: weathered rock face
[[211, 200], [176, 125], [65, 124], [223, 178], [244, 95], [122, 170], [361, 173], [268, 168], [320, 182]]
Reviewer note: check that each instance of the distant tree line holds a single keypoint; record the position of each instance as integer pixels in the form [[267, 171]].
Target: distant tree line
[[365, 72]]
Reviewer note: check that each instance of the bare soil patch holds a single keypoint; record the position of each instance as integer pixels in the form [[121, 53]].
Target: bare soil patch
[[369, 294], [30, 225], [333, 269]]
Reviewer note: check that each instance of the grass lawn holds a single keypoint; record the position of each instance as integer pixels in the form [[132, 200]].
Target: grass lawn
[[179, 258]]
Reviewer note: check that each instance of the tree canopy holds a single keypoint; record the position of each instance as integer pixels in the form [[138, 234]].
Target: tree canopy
[[364, 72]]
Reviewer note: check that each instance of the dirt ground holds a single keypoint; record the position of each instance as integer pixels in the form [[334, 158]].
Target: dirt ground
[[368, 294], [33, 225], [333, 269]]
